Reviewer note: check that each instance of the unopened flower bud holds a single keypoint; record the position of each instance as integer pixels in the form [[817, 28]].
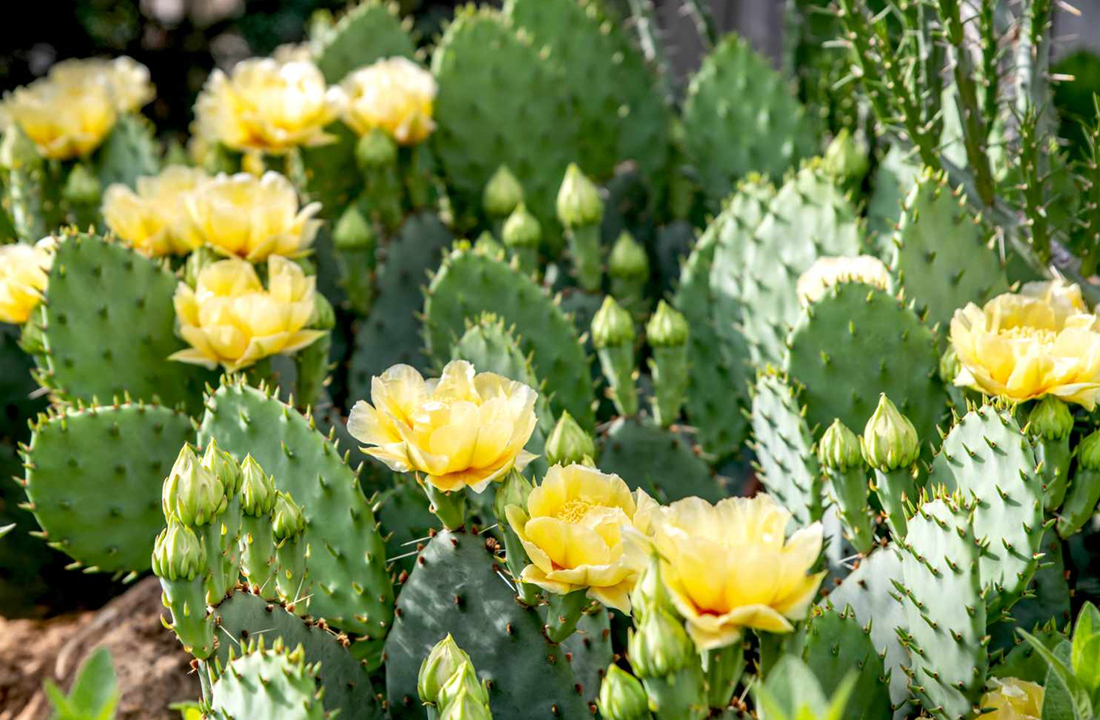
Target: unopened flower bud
[[224, 466], [289, 521], [82, 187], [376, 149], [667, 327], [628, 259], [649, 593], [622, 696], [1088, 452], [353, 231], [191, 493], [440, 666], [612, 325], [579, 202], [568, 442], [512, 491], [1050, 419], [502, 193], [463, 681], [488, 245], [660, 646], [522, 229], [949, 365], [889, 440], [466, 706], [839, 448], [846, 158], [178, 553], [258, 492]]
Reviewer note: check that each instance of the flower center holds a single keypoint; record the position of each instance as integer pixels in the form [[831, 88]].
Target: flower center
[[573, 511], [1029, 332]]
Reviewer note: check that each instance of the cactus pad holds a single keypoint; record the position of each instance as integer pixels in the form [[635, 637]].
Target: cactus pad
[[837, 644], [987, 457], [657, 460], [110, 326], [406, 520], [470, 282], [270, 684], [894, 178], [858, 342], [458, 588], [784, 448], [368, 32], [128, 152], [351, 589], [740, 116], [589, 651], [94, 478]]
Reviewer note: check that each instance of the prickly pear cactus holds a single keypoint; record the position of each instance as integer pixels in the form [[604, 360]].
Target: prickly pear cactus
[[894, 179], [129, 152], [470, 282], [271, 683], [370, 31], [458, 588], [347, 559], [93, 480], [740, 116], [837, 644], [784, 447], [659, 461]]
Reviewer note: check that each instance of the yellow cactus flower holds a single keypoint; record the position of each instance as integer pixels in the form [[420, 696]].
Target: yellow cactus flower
[[572, 529], [1040, 341], [465, 429], [1012, 699], [229, 319], [829, 271], [251, 217], [394, 94], [24, 273], [154, 220], [63, 120], [730, 566], [267, 106], [126, 79]]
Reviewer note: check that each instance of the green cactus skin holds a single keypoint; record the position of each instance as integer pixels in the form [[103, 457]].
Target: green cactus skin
[[858, 342], [130, 151], [659, 461], [717, 352], [848, 490], [370, 31], [292, 579], [352, 590], [485, 71], [406, 520], [837, 644], [589, 649], [469, 283], [869, 593], [946, 611], [186, 597], [258, 564], [456, 589], [109, 327], [895, 489], [895, 177], [740, 116], [391, 333], [1050, 424], [622, 115], [273, 684], [1047, 601], [986, 456], [1080, 505], [808, 207], [243, 616], [93, 480], [669, 369], [943, 276], [783, 445], [329, 173], [32, 193], [1023, 662]]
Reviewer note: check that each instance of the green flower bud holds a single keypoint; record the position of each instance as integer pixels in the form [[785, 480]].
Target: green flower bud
[[839, 448], [488, 244], [224, 466], [192, 494], [289, 521], [512, 491], [324, 317], [440, 666], [889, 440], [258, 492], [1088, 452], [667, 327], [353, 231], [1050, 419], [522, 229], [568, 444], [628, 259], [82, 187], [178, 554], [376, 149], [612, 325], [649, 593], [949, 365], [502, 193], [622, 696], [463, 680], [579, 202], [660, 646], [846, 158], [466, 706]]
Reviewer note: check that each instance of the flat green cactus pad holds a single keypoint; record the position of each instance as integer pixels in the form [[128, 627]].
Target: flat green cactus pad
[[858, 342], [243, 618], [110, 327], [406, 520], [470, 282], [944, 276], [352, 590], [659, 461], [128, 152], [391, 333], [457, 588], [329, 173], [267, 683], [487, 115], [94, 477], [370, 31], [987, 457], [741, 116], [784, 448], [895, 176], [838, 644], [589, 651]]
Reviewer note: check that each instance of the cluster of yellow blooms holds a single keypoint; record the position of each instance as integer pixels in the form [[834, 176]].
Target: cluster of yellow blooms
[[68, 113], [182, 209], [728, 566]]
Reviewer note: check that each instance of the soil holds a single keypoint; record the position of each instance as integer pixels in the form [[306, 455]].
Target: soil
[[153, 669]]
